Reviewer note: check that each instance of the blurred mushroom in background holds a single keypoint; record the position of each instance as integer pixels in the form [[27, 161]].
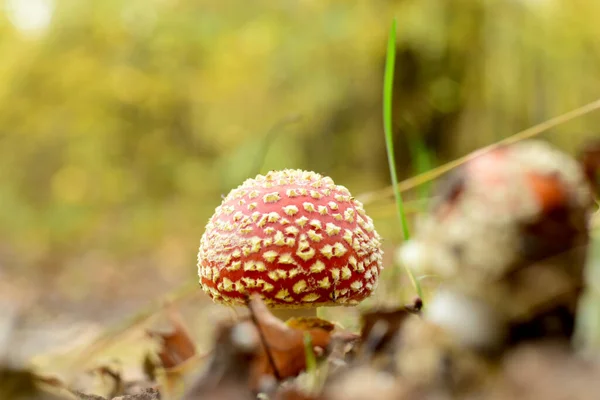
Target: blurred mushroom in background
[[590, 159], [508, 235]]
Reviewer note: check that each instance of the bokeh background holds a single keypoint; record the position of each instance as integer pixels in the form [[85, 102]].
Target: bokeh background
[[122, 123]]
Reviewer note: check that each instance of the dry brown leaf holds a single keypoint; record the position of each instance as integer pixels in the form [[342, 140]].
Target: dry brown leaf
[[284, 354], [343, 347], [307, 323], [114, 377], [22, 384], [381, 327], [176, 356], [177, 345], [227, 375]]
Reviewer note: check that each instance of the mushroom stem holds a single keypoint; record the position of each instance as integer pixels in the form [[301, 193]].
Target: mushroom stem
[[286, 313]]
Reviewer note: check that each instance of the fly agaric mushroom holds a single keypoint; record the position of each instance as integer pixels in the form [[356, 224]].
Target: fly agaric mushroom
[[295, 238], [508, 232]]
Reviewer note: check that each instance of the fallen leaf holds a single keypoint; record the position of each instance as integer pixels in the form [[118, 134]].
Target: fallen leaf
[[149, 367], [307, 323], [22, 384], [50, 381], [342, 348], [283, 352], [228, 373], [115, 378], [176, 356], [177, 346], [381, 327]]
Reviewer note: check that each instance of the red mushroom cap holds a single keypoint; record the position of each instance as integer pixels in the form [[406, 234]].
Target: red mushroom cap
[[517, 182], [295, 238]]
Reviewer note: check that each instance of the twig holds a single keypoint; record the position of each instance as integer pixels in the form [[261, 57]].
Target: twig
[[371, 197], [263, 339], [415, 307]]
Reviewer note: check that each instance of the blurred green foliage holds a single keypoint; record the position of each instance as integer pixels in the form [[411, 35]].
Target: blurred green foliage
[[123, 122]]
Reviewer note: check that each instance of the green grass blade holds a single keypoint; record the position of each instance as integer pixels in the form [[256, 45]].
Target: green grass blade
[[311, 361], [388, 89]]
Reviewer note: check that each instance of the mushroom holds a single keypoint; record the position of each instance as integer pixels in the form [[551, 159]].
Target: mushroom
[[294, 237], [508, 232]]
